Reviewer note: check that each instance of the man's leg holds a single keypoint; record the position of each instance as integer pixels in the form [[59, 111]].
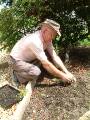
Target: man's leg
[[25, 72]]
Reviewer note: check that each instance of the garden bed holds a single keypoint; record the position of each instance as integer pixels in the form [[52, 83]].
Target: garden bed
[[52, 100]]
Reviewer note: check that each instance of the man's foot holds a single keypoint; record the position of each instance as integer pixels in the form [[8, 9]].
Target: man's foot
[[15, 80]]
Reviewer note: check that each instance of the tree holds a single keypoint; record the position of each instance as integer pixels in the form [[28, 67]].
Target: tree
[[7, 2], [15, 22], [23, 16]]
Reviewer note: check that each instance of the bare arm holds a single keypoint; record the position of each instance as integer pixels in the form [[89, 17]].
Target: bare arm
[[58, 62], [56, 59], [54, 71]]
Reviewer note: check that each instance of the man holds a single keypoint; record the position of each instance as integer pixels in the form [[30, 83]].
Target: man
[[32, 47]]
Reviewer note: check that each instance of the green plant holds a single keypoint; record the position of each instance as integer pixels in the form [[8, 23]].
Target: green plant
[[85, 42], [22, 16]]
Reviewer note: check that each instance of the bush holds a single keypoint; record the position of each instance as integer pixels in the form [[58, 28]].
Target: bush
[[85, 42], [22, 16]]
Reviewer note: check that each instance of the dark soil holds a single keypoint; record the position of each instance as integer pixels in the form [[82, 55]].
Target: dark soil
[[52, 100], [56, 101], [9, 98]]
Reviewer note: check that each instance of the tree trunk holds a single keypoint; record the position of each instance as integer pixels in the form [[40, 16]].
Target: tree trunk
[[67, 55]]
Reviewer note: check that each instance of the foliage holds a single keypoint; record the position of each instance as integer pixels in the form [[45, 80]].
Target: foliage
[[7, 2], [74, 25], [7, 28], [22, 16], [85, 42], [14, 23]]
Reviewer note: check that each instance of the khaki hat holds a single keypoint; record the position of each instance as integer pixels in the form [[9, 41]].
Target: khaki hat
[[53, 24]]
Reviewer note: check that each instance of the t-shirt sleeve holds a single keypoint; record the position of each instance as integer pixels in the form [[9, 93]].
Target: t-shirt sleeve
[[38, 51]]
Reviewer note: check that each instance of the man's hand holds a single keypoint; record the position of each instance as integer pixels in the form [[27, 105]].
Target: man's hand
[[71, 76], [67, 77]]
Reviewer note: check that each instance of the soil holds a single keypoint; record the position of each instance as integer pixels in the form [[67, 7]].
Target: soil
[[53, 100], [56, 101]]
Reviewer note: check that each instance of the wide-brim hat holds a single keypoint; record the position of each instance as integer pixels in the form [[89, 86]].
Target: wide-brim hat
[[54, 25]]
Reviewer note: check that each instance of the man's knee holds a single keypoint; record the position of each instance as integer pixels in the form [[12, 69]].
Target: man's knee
[[37, 71], [34, 71]]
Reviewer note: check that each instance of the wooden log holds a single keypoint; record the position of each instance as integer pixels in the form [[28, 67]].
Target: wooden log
[[86, 116], [21, 107]]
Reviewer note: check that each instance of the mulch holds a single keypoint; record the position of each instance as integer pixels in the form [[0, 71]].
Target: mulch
[[55, 101]]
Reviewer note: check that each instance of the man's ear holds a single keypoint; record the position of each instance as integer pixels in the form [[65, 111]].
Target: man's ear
[[45, 30]]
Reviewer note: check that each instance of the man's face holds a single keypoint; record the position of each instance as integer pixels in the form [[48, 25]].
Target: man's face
[[50, 34]]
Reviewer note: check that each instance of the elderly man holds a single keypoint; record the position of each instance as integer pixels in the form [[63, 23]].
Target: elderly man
[[32, 47]]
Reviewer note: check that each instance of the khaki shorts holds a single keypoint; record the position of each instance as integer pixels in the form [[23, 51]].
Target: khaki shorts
[[25, 71]]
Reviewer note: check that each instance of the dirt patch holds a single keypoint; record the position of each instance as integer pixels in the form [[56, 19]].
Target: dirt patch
[[80, 55], [51, 101]]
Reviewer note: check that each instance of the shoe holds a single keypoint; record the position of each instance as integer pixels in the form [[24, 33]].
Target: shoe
[[15, 80]]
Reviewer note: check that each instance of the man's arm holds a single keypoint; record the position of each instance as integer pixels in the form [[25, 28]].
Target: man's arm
[[56, 72], [58, 62], [40, 55]]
